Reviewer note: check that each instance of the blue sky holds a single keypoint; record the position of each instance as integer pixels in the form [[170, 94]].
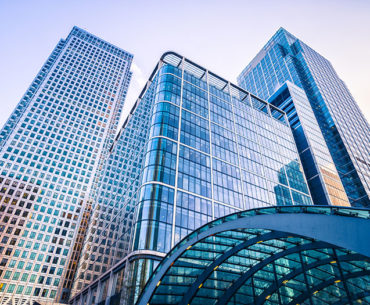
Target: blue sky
[[220, 35]]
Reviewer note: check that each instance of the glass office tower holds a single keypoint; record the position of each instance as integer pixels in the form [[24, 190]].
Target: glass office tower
[[51, 149], [344, 127], [322, 177], [204, 148], [109, 232]]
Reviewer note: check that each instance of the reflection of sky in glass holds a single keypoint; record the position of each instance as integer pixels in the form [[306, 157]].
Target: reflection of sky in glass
[[346, 131]]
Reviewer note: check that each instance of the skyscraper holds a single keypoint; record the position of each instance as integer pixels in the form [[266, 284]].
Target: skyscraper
[[343, 126], [194, 148], [322, 177], [109, 232], [51, 149]]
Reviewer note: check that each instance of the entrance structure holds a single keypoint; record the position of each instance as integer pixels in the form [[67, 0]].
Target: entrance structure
[[277, 255]]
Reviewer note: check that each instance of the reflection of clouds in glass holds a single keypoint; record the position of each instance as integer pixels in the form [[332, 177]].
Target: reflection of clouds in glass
[[137, 84], [138, 75]]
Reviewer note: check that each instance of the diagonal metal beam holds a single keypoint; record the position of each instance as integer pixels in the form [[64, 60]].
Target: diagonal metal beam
[[207, 272], [354, 297], [341, 275], [224, 299], [301, 298], [343, 231], [305, 275], [281, 282]]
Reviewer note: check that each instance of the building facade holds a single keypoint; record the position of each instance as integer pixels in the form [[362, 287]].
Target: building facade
[[209, 149], [343, 126], [52, 148], [110, 230], [322, 177]]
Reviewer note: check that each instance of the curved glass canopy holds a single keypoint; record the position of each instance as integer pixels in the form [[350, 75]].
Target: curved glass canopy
[[279, 255]]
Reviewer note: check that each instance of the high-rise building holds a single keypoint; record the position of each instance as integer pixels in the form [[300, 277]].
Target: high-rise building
[[194, 148], [322, 177], [52, 147], [109, 232], [343, 126]]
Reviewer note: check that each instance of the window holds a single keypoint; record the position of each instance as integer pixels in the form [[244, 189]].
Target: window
[[11, 288]]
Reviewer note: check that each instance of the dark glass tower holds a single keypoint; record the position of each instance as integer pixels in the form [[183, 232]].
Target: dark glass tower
[[322, 177], [343, 126]]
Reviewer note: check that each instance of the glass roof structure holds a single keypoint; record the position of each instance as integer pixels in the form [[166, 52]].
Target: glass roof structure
[[277, 255]]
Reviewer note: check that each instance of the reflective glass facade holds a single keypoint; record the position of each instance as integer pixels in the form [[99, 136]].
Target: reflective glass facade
[[216, 147], [52, 149], [209, 149], [321, 174], [345, 129], [108, 236], [245, 258]]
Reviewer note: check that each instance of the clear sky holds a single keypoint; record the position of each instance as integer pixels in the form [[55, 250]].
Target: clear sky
[[222, 36]]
